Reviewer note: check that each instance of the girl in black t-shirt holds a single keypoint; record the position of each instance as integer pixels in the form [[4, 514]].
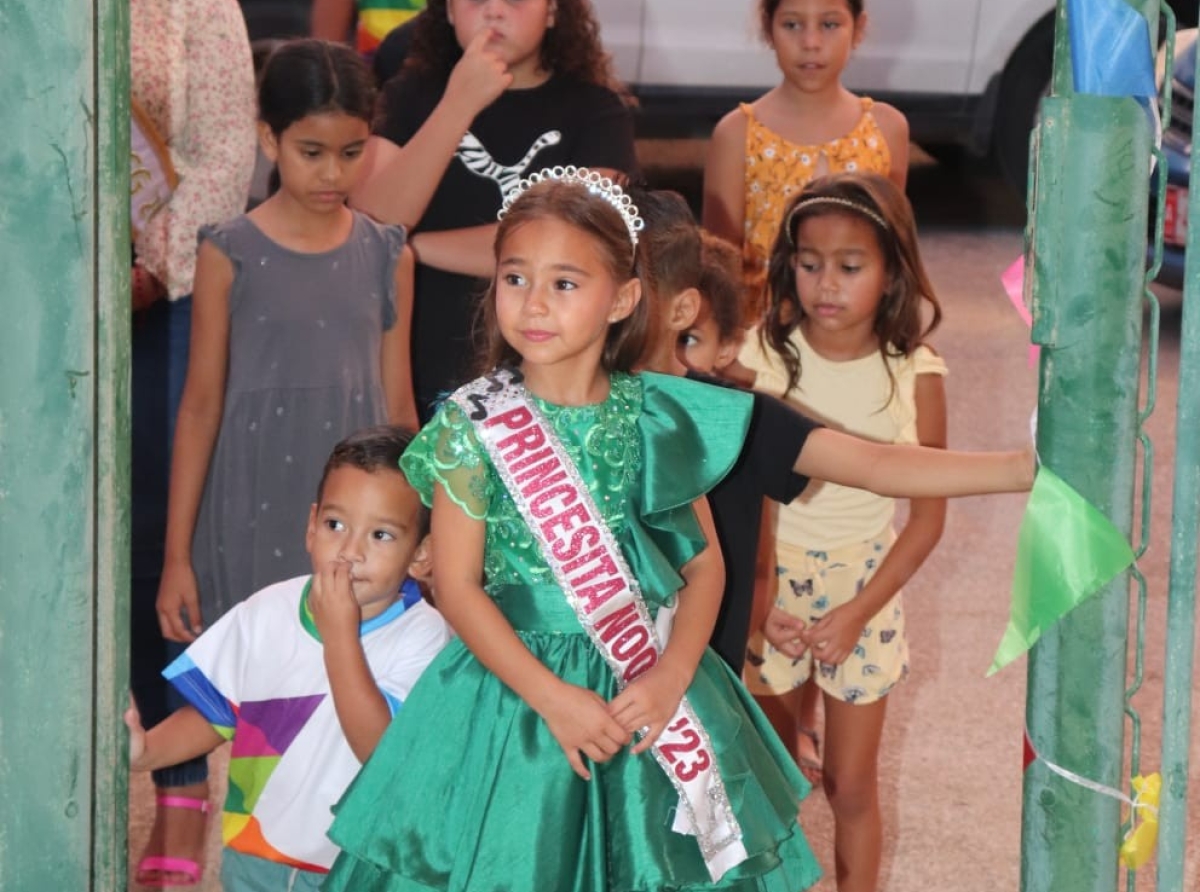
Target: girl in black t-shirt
[[489, 92]]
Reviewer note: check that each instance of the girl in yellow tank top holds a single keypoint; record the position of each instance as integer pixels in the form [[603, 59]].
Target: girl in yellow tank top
[[764, 152]]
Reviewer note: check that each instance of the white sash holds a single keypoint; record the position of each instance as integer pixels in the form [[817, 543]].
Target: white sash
[[595, 579], [152, 178]]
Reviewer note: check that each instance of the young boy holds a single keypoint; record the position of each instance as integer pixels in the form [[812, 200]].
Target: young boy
[[304, 676], [714, 339], [677, 255]]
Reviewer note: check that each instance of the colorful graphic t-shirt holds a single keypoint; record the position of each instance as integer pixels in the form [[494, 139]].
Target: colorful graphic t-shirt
[[258, 675], [377, 19]]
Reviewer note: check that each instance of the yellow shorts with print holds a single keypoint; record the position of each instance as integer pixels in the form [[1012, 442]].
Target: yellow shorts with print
[[812, 583]]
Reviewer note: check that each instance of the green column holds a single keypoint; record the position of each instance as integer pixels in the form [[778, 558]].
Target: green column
[[1087, 237], [64, 254], [1179, 661]]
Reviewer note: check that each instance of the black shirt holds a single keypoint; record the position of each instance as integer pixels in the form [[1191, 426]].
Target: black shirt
[[763, 471], [563, 121]]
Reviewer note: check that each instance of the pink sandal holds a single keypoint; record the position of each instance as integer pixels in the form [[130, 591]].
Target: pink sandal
[[160, 867]]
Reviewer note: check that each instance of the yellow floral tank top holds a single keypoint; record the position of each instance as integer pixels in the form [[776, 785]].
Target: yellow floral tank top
[[776, 169]]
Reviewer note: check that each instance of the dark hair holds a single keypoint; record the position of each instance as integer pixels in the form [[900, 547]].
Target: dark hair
[[721, 284], [373, 449], [898, 326], [573, 204], [571, 48], [308, 77], [670, 243], [768, 8]]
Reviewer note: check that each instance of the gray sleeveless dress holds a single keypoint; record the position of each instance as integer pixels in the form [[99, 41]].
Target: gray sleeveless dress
[[304, 371]]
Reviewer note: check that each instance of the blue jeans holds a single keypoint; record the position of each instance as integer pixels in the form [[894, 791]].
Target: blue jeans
[[160, 356]]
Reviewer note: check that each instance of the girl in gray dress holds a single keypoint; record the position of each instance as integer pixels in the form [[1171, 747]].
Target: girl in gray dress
[[300, 329]]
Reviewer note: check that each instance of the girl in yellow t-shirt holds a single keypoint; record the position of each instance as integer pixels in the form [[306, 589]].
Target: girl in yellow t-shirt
[[762, 153], [843, 337]]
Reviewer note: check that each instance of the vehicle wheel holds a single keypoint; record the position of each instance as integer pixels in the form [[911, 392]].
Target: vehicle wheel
[[1025, 81]]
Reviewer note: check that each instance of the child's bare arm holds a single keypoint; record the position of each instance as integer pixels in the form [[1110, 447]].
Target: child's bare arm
[[465, 251], [396, 349], [724, 209], [181, 736], [651, 699], [912, 472], [361, 708], [399, 181], [578, 718], [196, 429]]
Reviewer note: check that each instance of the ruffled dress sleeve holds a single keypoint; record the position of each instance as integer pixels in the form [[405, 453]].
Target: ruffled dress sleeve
[[391, 239], [447, 452], [691, 437]]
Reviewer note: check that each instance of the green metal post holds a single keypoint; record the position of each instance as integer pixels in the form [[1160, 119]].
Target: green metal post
[[64, 345], [1181, 603], [1087, 236]]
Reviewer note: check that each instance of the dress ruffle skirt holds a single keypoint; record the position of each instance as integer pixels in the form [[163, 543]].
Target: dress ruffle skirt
[[468, 791]]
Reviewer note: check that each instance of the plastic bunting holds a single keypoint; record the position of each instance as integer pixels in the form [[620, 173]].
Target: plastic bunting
[[1111, 50], [1067, 551], [1140, 840]]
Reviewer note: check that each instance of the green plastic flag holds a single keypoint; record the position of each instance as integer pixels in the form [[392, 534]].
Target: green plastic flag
[[1067, 551]]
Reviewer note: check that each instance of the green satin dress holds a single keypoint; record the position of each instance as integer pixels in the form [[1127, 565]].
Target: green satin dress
[[468, 790]]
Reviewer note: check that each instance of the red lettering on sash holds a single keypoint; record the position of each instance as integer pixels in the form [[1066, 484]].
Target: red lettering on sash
[[538, 478], [532, 459], [563, 521], [610, 624], [513, 419], [583, 561], [605, 566], [639, 664], [630, 642], [516, 445], [585, 537], [538, 507], [599, 594]]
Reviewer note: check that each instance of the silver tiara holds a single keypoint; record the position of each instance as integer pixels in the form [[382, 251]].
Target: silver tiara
[[594, 182]]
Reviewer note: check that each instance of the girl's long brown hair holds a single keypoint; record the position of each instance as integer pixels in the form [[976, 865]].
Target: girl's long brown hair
[[572, 204], [898, 326], [571, 48]]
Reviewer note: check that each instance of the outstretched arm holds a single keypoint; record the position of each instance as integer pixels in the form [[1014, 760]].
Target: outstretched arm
[[912, 472], [651, 699], [577, 717], [181, 736]]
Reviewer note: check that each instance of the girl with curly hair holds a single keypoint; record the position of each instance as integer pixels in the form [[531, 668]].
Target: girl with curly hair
[[491, 90]]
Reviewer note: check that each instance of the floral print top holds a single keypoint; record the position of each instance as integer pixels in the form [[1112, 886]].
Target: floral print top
[[192, 72], [777, 169]]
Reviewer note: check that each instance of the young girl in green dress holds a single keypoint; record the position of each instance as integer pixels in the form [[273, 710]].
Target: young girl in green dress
[[580, 735]]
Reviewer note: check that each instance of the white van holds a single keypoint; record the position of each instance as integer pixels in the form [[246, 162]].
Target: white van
[[965, 72]]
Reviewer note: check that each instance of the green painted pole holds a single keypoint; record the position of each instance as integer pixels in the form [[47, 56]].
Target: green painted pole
[[64, 290], [1181, 601], [1087, 236]]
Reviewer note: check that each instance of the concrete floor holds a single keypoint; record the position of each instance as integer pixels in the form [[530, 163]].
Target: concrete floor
[[951, 763]]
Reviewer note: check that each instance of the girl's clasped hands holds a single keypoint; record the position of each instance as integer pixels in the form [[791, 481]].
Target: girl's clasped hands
[[584, 724]]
